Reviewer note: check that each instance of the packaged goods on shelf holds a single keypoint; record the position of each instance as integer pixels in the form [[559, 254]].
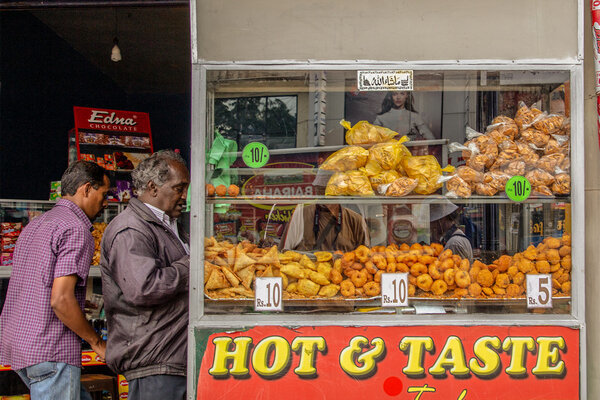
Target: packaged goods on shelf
[[365, 133], [10, 229], [7, 244], [6, 259], [230, 271], [97, 233]]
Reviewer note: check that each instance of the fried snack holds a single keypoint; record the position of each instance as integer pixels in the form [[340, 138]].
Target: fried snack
[[347, 288], [383, 178], [505, 125], [319, 278], [475, 289], [372, 289], [562, 184], [221, 190], [306, 287], [365, 133], [294, 270], [456, 186], [486, 145], [362, 253], [233, 190], [329, 290], [527, 153], [418, 269], [508, 145], [359, 278], [210, 190], [426, 170], [437, 248], [434, 271], [479, 161], [539, 177], [537, 138], [504, 158], [566, 287], [388, 154], [496, 179], [502, 280], [449, 275], [424, 282], [565, 165], [542, 190], [401, 187], [485, 189], [549, 162], [345, 159], [552, 147], [549, 124], [525, 116], [485, 278], [469, 174], [515, 168], [462, 279], [439, 287], [351, 183]]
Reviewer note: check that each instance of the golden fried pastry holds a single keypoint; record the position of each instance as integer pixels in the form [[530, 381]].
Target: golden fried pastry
[[469, 174], [318, 278], [329, 290], [519, 278], [439, 248], [562, 184], [424, 282], [347, 288], [372, 289], [306, 287], [543, 267], [505, 125], [401, 187], [539, 177], [502, 280], [362, 253], [487, 291], [474, 271], [550, 162], [525, 116], [475, 289], [564, 250], [515, 168], [464, 265], [513, 290], [537, 138], [566, 287], [456, 186], [553, 256], [503, 263], [449, 275], [439, 287], [552, 242], [418, 269], [485, 278], [335, 276], [498, 290], [462, 279], [549, 124], [359, 278], [485, 189]]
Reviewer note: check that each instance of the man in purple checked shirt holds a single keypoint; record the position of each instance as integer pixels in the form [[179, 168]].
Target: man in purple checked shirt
[[42, 323]]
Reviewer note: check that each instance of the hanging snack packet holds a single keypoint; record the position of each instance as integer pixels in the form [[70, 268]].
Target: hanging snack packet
[[427, 171], [350, 183], [400, 187], [383, 178], [365, 133], [525, 116], [389, 154], [346, 159]]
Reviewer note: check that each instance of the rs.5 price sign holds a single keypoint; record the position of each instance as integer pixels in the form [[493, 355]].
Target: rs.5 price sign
[[268, 294], [394, 290], [539, 291]]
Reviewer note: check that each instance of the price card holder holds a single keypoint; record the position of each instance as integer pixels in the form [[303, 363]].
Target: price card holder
[[539, 291], [268, 294], [394, 290]]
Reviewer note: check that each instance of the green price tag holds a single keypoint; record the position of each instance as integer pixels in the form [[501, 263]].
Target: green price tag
[[518, 188], [255, 155]]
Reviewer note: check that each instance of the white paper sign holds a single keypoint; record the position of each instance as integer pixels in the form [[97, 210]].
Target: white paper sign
[[394, 290], [385, 80], [268, 294], [539, 291]]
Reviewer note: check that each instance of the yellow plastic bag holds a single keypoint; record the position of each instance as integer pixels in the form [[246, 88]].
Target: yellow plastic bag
[[345, 159], [427, 171], [350, 183], [389, 154], [365, 133], [383, 178]]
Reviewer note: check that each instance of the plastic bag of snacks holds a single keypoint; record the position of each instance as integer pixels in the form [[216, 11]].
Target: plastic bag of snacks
[[365, 133], [400, 187], [427, 171], [389, 154], [350, 183], [346, 159], [383, 178], [525, 116]]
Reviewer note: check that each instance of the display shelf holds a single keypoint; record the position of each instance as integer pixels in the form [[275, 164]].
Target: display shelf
[[431, 199], [6, 270], [117, 147]]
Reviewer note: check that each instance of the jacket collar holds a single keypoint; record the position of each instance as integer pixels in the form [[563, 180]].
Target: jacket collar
[[146, 214]]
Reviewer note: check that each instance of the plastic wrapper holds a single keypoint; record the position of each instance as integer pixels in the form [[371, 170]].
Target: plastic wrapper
[[400, 187], [505, 158], [383, 178], [469, 175], [468, 149], [350, 183], [365, 133], [537, 138], [527, 154], [550, 162], [346, 159], [565, 165], [496, 179], [389, 154], [552, 147], [548, 124], [480, 161], [427, 171], [485, 189], [515, 168], [507, 145], [562, 184], [525, 116], [457, 187], [504, 125], [539, 177], [542, 190]]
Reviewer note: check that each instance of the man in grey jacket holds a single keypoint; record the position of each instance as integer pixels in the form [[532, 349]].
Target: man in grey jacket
[[145, 271]]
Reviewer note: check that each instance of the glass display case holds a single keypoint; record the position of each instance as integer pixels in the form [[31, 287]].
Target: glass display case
[[459, 179]]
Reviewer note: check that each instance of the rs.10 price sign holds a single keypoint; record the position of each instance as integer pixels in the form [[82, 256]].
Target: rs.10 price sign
[[268, 294], [394, 290], [539, 291], [255, 155], [518, 188]]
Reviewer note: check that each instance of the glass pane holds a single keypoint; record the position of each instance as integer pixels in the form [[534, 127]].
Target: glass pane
[[361, 183]]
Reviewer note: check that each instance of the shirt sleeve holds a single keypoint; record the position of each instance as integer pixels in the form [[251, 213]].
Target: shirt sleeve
[[143, 277], [74, 251]]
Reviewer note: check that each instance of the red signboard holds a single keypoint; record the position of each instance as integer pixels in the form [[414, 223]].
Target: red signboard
[[419, 362], [111, 120]]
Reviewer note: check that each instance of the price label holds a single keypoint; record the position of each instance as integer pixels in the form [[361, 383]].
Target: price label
[[268, 294], [394, 290], [518, 188], [539, 291], [255, 155]]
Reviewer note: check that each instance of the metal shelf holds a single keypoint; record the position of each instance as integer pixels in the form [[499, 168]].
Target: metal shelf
[[94, 272]]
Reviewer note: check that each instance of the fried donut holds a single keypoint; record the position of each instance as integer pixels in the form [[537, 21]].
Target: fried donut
[[348, 259], [434, 272], [404, 247], [391, 267], [418, 269], [485, 278], [439, 287], [426, 259], [362, 253], [449, 276], [335, 276], [445, 254], [502, 281], [371, 268], [461, 292], [372, 289], [359, 278], [447, 264], [513, 290], [356, 266], [462, 279], [377, 277], [347, 289], [438, 248], [360, 292], [475, 289], [428, 251], [464, 265], [411, 290], [424, 282], [401, 267]]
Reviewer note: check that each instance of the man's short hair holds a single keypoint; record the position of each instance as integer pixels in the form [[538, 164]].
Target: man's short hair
[[154, 168], [79, 173]]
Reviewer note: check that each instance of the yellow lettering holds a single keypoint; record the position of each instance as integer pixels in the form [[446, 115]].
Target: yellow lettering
[[484, 352], [452, 356], [420, 390], [274, 347], [548, 359], [306, 345], [238, 356], [415, 345], [359, 364], [518, 347]]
